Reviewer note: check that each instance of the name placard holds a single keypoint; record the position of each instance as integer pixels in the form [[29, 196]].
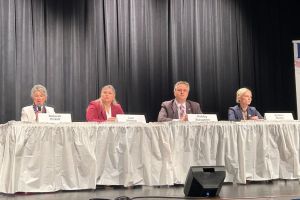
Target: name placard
[[202, 118], [279, 116], [130, 118], [54, 118]]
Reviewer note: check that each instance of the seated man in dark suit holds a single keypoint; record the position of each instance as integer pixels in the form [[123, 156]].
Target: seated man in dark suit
[[179, 107]]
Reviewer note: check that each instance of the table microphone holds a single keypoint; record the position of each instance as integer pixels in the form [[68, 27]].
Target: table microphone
[[39, 108]]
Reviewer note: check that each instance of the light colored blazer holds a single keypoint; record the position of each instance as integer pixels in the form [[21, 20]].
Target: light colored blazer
[[168, 110], [28, 114]]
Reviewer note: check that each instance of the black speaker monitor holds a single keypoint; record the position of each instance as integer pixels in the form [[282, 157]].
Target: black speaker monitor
[[204, 181]]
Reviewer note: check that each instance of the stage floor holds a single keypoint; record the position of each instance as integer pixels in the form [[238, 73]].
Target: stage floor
[[279, 189]]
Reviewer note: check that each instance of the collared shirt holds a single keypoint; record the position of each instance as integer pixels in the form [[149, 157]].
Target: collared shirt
[[108, 113], [245, 114]]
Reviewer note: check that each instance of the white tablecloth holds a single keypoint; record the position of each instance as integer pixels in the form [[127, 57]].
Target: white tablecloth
[[248, 150], [50, 157]]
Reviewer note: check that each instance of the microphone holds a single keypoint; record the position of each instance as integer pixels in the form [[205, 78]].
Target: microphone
[[39, 107]]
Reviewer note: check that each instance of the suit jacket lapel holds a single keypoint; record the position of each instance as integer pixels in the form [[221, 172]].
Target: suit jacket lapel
[[102, 111], [250, 112], [174, 108], [239, 113], [32, 114], [188, 107], [113, 110]]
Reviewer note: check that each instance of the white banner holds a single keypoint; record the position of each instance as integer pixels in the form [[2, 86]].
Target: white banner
[[297, 72]]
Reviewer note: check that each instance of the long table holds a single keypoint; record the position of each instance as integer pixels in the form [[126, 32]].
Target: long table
[[41, 157]]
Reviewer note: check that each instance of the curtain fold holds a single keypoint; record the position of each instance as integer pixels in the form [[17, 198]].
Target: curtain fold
[[143, 47]]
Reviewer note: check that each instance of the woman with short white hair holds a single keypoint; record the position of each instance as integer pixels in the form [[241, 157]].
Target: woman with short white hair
[[39, 97], [243, 111]]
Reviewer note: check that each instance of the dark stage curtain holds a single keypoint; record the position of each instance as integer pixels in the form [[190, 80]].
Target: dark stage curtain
[[143, 47]]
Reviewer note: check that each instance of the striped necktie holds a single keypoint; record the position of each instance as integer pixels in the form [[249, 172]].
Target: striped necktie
[[181, 111]]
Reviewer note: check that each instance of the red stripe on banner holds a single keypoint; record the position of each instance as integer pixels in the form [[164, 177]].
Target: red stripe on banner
[[297, 63]]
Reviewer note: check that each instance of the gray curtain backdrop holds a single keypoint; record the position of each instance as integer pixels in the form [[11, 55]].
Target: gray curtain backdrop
[[143, 47]]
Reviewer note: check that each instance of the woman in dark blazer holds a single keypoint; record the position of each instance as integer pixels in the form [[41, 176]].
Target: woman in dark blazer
[[243, 111], [105, 108]]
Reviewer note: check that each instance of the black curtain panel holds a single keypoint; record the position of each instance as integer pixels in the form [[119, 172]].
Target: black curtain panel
[[143, 47]]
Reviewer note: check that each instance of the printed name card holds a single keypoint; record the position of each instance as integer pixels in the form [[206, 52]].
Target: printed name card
[[279, 116], [54, 118], [130, 118], [202, 118]]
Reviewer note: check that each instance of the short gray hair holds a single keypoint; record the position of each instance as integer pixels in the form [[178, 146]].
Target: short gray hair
[[39, 88], [240, 93], [182, 83]]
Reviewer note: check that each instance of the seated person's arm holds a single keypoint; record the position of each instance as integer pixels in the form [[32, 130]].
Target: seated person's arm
[[163, 114], [231, 115], [24, 116], [120, 109], [257, 115], [92, 114], [198, 109]]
